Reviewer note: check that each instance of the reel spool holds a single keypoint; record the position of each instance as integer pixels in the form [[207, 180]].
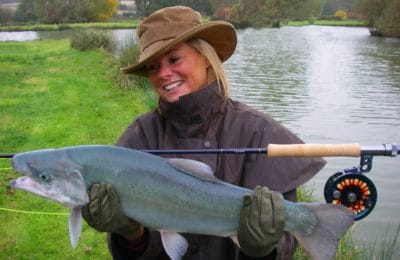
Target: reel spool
[[352, 190]]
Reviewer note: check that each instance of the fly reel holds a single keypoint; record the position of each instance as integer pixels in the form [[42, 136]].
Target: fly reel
[[353, 190]]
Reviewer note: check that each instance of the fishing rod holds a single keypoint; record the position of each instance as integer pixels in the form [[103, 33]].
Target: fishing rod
[[296, 150], [286, 150], [349, 187]]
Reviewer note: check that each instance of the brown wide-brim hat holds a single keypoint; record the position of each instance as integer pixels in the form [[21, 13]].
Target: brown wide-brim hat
[[167, 27]]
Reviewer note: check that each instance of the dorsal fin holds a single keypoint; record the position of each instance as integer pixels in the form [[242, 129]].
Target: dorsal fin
[[195, 168]]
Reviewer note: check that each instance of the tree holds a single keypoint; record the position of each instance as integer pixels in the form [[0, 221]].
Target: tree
[[142, 7], [101, 10], [218, 7], [64, 11], [146, 7], [6, 15], [50, 11], [331, 6], [341, 14], [25, 12], [260, 13], [383, 16], [257, 13], [76, 10], [388, 24], [301, 10], [203, 6]]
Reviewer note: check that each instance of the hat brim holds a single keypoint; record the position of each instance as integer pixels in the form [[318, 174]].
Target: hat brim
[[221, 35]]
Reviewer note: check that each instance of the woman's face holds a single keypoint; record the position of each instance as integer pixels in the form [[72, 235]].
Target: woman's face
[[179, 72]]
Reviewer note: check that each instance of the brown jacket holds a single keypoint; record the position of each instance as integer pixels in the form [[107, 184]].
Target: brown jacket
[[205, 120]]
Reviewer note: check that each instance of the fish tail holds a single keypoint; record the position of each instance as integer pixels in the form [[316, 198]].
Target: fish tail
[[333, 223]]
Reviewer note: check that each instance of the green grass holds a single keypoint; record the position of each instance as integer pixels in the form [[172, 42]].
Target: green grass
[[387, 246], [52, 96]]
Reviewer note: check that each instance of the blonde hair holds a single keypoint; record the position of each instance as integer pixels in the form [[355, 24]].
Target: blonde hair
[[216, 70]]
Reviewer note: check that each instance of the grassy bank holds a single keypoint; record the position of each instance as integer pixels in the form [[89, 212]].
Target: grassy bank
[[350, 23], [53, 96]]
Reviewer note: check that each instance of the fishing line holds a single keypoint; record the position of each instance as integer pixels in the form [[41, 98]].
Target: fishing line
[[34, 212]]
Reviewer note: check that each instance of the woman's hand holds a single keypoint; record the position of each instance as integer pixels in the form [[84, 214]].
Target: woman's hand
[[262, 219], [104, 213]]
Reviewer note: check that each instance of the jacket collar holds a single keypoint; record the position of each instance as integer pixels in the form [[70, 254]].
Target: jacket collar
[[194, 108]]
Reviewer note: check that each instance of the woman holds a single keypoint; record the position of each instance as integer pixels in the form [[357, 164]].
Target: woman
[[183, 58]]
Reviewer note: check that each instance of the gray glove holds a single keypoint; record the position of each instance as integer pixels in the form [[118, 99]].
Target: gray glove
[[262, 219], [104, 212]]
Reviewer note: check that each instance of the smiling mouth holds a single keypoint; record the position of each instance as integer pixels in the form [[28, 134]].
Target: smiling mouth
[[172, 86]]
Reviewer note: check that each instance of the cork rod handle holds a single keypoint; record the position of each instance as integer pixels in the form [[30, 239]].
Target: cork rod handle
[[314, 150]]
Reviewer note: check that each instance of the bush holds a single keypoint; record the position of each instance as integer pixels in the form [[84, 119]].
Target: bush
[[341, 14], [129, 54], [91, 39], [64, 26]]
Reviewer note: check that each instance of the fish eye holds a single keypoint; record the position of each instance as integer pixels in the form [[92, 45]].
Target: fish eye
[[44, 177]]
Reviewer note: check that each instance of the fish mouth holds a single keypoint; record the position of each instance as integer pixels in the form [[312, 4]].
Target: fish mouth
[[25, 183]]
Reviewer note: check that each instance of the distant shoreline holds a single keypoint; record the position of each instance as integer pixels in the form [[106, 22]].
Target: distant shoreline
[[132, 24]]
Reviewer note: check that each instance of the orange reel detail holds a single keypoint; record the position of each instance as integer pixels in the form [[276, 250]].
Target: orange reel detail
[[352, 190]]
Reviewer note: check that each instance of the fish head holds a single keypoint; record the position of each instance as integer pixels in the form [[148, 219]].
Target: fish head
[[51, 174]]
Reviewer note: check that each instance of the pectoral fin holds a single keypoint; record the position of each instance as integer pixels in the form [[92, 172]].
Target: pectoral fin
[[174, 244], [195, 168], [75, 225], [235, 240]]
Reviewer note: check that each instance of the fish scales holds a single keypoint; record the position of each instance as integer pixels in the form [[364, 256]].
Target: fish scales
[[166, 199]]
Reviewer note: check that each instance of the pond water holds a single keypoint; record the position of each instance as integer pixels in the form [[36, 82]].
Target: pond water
[[118, 35], [328, 85]]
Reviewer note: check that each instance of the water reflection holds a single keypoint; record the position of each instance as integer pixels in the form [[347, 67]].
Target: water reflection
[[329, 85], [120, 37], [261, 59], [18, 36]]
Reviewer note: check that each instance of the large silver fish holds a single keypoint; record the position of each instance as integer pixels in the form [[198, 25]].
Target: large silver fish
[[170, 195]]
